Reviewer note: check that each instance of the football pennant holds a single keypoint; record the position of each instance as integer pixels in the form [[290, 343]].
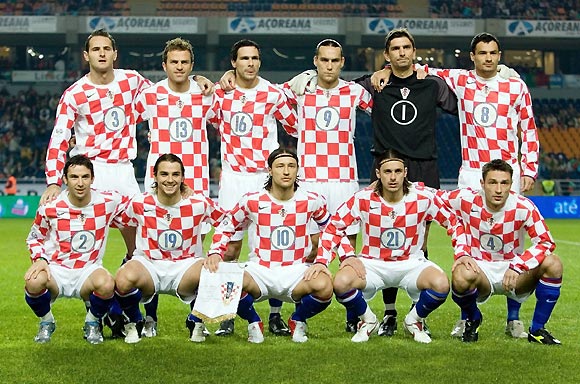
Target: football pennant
[[219, 293]]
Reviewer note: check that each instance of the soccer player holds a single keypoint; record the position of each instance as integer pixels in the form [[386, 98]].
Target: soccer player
[[492, 261], [169, 255], [281, 213], [246, 118], [393, 215], [177, 111], [67, 245], [492, 109]]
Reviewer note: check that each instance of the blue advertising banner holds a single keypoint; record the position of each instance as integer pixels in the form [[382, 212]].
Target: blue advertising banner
[[557, 207], [18, 206]]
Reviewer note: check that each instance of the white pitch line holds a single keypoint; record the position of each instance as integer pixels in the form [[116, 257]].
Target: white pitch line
[[567, 242]]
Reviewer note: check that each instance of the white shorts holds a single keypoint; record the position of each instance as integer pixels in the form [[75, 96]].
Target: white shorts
[[495, 271], [167, 274], [70, 281], [335, 194], [233, 185], [402, 274], [119, 177], [471, 178], [277, 282]]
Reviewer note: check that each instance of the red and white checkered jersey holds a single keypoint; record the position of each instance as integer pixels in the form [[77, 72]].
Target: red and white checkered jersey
[[177, 123], [490, 113], [390, 232], [281, 226], [494, 236], [170, 232], [73, 236], [246, 119], [326, 128], [102, 118]]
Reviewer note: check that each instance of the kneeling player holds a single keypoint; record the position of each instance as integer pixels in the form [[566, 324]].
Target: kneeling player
[[276, 269], [168, 256], [67, 245], [393, 214], [492, 261]]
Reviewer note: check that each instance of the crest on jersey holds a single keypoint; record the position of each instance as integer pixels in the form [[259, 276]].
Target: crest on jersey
[[282, 212], [405, 92], [82, 218], [167, 217], [243, 99], [393, 214], [180, 104], [110, 94], [490, 221], [228, 290]]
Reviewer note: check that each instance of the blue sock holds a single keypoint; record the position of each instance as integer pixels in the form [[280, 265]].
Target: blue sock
[[194, 318], [467, 301], [151, 307], [513, 310], [129, 302], [429, 300], [547, 294], [40, 304], [310, 306], [100, 306], [115, 307], [246, 309], [354, 302]]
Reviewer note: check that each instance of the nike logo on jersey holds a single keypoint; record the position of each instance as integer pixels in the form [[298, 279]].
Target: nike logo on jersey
[[91, 95], [148, 210], [474, 210], [374, 207], [470, 81], [262, 207], [161, 98], [59, 214]]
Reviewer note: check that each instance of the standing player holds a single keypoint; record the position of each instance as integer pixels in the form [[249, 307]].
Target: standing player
[[493, 261], [67, 245], [393, 215], [281, 213], [177, 112], [99, 110], [246, 118], [492, 110], [169, 253]]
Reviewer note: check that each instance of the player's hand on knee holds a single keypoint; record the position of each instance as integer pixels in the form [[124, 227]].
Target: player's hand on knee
[[467, 262], [39, 266], [212, 262], [354, 263], [314, 270]]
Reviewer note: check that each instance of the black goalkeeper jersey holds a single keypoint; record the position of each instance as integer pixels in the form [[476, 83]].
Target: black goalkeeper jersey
[[405, 112]]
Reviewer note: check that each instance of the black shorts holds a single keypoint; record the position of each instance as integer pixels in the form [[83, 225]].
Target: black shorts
[[425, 171]]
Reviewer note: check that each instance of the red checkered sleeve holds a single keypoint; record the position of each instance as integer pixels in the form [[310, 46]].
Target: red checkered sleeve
[[491, 111], [247, 122], [103, 119], [326, 128], [500, 236], [37, 235]]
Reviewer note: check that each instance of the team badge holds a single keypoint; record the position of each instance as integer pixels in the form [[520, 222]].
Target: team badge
[[110, 94], [282, 213], [228, 290], [405, 92], [490, 221], [167, 217], [393, 214], [180, 104], [82, 218], [486, 90], [243, 99]]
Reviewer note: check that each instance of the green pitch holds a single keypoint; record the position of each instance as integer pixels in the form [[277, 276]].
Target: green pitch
[[328, 357]]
